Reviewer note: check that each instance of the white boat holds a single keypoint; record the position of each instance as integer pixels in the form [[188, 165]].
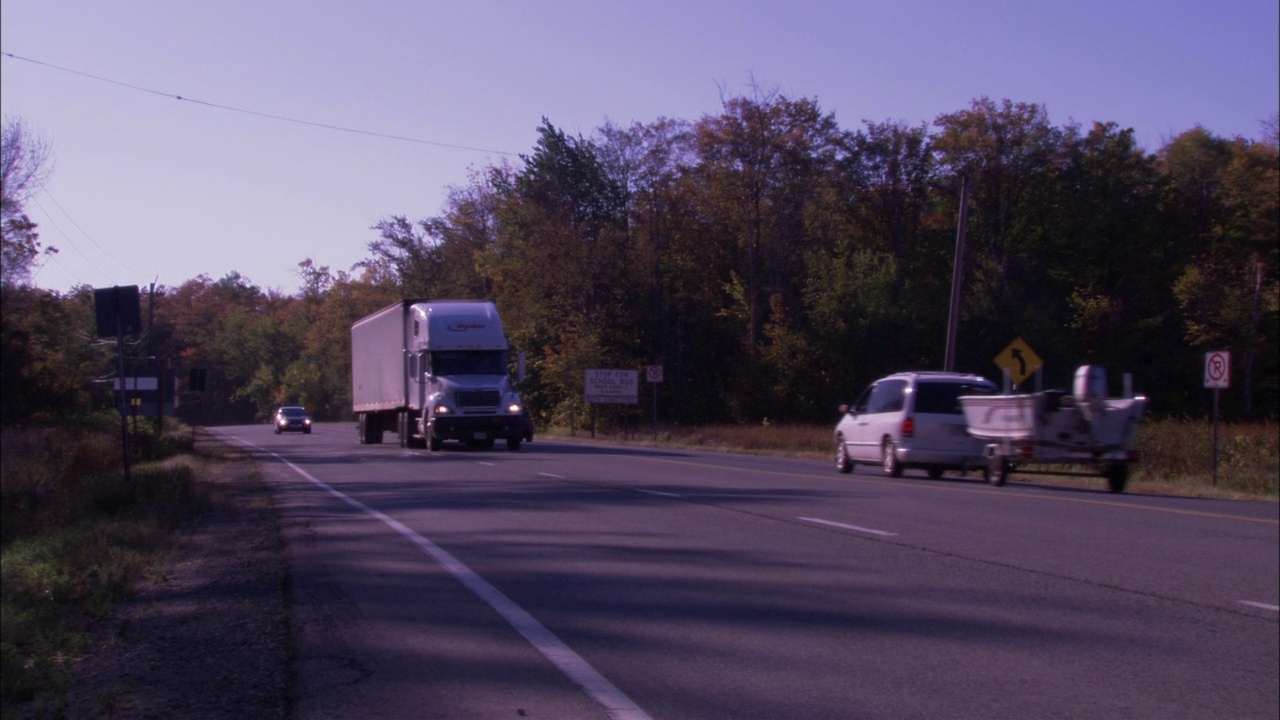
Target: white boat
[[1055, 427]]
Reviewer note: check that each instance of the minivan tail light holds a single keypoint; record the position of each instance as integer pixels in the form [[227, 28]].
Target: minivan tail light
[[908, 427]]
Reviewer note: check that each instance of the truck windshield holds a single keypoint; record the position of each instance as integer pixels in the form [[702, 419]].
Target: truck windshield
[[469, 362]]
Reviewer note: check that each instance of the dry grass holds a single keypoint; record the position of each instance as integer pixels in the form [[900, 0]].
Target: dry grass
[[75, 537], [1177, 454]]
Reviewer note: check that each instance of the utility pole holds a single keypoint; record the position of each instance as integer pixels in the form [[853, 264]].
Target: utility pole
[[151, 344], [957, 276]]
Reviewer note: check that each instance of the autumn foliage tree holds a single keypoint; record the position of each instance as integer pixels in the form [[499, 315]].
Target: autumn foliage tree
[[774, 263]]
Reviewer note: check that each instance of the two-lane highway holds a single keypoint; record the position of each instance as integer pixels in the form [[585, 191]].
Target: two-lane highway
[[570, 580]]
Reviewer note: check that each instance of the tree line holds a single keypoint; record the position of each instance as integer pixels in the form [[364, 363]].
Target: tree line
[[770, 260]]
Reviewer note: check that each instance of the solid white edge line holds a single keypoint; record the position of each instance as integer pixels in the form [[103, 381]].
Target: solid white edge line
[[1264, 606], [570, 663], [855, 528]]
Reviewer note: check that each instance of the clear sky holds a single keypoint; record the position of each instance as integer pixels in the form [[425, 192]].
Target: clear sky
[[148, 188]]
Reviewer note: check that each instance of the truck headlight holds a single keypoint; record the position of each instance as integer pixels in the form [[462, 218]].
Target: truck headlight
[[515, 408], [441, 409]]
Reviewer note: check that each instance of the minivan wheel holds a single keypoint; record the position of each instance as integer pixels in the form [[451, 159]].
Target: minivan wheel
[[892, 467], [842, 458]]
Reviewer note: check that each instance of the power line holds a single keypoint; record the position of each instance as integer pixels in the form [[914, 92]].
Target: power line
[[101, 249], [270, 116], [52, 221]]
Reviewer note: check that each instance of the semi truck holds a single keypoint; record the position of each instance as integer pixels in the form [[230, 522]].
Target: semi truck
[[433, 371]]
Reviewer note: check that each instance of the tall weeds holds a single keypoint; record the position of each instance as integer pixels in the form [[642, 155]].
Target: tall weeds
[[1176, 454], [1180, 452], [75, 536]]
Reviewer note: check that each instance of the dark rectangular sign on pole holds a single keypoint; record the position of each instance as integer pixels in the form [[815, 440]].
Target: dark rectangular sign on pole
[[119, 313], [118, 310]]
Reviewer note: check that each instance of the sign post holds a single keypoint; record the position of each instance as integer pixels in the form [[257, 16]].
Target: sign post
[[653, 373], [118, 313], [1217, 375]]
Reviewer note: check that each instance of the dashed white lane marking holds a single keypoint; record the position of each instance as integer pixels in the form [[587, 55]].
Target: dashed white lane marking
[[845, 526], [1264, 606], [659, 493], [570, 663], [549, 475]]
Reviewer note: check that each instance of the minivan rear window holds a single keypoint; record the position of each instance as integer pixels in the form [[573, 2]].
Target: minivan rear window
[[943, 398]]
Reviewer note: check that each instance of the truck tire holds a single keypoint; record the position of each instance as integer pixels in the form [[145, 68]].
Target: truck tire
[[513, 444], [369, 427]]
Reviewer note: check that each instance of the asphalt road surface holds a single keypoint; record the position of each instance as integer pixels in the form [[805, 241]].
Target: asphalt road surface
[[583, 581]]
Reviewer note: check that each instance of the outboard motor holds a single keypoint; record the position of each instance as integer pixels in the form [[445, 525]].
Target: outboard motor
[[1090, 391]]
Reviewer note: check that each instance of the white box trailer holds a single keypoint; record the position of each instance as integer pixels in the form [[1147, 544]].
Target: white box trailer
[[434, 371]]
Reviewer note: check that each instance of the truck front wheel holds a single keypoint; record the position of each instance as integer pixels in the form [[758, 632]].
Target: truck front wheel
[[513, 444]]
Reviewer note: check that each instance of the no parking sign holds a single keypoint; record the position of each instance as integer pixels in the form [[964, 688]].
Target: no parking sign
[[1217, 369]]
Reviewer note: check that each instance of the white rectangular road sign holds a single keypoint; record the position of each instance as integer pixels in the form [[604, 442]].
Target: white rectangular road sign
[[612, 386], [133, 383], [1217, 369]]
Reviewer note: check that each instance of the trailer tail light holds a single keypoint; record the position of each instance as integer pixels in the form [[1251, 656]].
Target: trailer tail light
[[908, 427], [1028, 451]]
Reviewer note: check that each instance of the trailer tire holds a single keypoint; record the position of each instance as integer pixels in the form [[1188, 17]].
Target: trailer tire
[[997, 470], [1117, 477]]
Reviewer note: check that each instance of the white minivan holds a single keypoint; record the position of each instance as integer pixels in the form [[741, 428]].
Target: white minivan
[[911, 420]]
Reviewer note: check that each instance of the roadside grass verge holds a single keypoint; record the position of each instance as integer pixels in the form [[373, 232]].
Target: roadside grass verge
[[1176, 455], [75, 538]]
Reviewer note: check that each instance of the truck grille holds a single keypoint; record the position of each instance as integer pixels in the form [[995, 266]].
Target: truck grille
[[474, 399]]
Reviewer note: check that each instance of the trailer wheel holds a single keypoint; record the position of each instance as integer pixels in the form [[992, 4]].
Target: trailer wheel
[[997, 470], [1117, 477]]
